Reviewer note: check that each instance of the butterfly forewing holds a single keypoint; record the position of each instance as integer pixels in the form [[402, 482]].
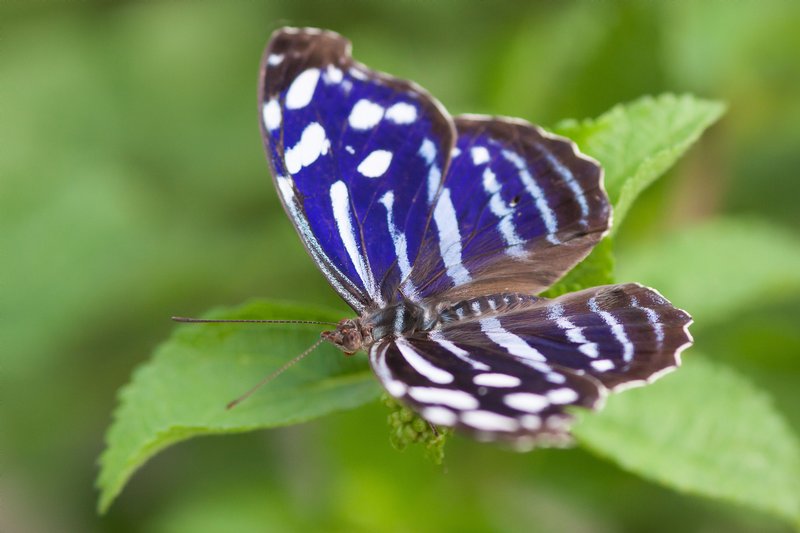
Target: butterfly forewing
[[358, 158], [519, 208]]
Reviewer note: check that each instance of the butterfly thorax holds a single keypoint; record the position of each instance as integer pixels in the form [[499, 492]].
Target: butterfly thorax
[[406, 318]]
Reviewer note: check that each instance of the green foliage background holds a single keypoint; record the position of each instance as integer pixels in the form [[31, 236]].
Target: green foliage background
[[133, 187]]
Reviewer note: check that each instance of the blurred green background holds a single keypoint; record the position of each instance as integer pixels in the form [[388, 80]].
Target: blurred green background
[[133, 187]]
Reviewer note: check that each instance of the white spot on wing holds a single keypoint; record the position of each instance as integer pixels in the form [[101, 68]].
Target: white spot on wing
[[572, 183], [428, 152], [275, 59], [365, 115], [450, 397], [526, 402], [512, 343], [574, 333], [439, 415], [531, 422], [340, 201], [589, 349], [562, 396], [450, 239], [358, 74], [312, 144], [652, 317], [548, 217], [616, 329], [375, 164], [422, 365], [332, 75], [489, 421], [602, 365], [395, 388], [402, 113], [492, 187], [437, 337], [271, 113], [302, 89], [496, 380], [434, 180], [378, 356], [400, 244], [503, 212], [480, 155]]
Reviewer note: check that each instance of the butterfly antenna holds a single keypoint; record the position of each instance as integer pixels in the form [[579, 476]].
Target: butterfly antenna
[[253, 321], [272, 376]]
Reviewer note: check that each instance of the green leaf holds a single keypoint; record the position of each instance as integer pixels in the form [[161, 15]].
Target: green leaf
[[703, 430], [183, 390], [226, 505], [515, 85], [718, 268], [637, 142]]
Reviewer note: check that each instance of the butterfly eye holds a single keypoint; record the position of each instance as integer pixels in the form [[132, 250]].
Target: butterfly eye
[[514, 201]]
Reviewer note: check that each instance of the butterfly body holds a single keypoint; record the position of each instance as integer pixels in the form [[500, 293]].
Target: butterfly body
[[407, 318], [440, 232]]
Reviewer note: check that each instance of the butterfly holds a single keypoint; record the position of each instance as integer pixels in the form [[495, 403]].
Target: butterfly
[[440, 232]]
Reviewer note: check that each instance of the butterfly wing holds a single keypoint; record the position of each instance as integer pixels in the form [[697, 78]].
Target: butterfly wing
[[519, 209], [509, 373], [357, 157]]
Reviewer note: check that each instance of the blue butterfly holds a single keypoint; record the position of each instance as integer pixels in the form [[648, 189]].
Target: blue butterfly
[[440, 232]]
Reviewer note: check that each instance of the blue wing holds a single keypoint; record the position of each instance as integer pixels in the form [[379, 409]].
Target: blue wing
[[510, 365], [357, 157], [519, 208]]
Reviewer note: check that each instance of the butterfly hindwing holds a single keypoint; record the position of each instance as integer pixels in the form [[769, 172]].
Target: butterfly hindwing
[[519, 208], [357, 156], [511, 364], [622, 335], [480, 390]]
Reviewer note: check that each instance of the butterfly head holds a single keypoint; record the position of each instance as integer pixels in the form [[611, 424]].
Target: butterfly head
[[349, 336]]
